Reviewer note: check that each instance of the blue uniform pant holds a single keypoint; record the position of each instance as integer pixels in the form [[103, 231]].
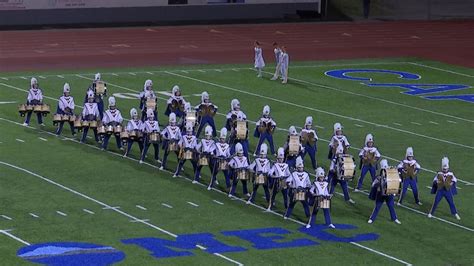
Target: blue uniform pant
[[379, 200], [311, 151], [334, 182], [413, 184], [274, 186], [292, 205], [100, 107], [106, 141], [203, 122], [235, 181], [265, 136], [61, 125], [199, 168], [181, 164], [156, 147], [84, 134], [129, 146], [254, 192], [226, 176], [165, 156], [448, 195], [38, 115], [366, 168]]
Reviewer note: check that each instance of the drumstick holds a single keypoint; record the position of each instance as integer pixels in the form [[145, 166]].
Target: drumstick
[[311, 214]]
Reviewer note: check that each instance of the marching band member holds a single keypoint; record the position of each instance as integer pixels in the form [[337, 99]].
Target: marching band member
[[291, 157], [277, 52], [90, 113], [235, 116], [35, 97], [183, 120], [134, 125], [299, 185], [444, 186], [231, 117], [171, 136], [238, 163], [284, 62], [319, 189], [279, 173], [369, 155], [308, 140], [334, 179], [259, 62], [149, 127], [377, 193], [175, 104], [187, 142], [337, 139], [408, 169], [66, 107], [261, 167], [221, 152], [112, 117], [264, 130], [148, 100], [205, 148], [98, 97], [206, 111]]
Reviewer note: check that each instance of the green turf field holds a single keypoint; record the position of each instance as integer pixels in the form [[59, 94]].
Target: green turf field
[[74, 188]]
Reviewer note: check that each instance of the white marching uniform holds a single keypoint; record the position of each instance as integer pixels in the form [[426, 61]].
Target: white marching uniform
[[206, 146], [320, 188], [90, 109], [172, 133], [188, 142], [236, 163], [66, 102], [299, 179], [261, 165], [373, 150], [339, 138], [150, 126], [309, 131], [222, 150], [112, 116], [259, 62], [34, 95], [134, 125], [284, 62]]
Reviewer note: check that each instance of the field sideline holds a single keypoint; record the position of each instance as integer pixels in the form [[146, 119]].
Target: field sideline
[[70, 178]]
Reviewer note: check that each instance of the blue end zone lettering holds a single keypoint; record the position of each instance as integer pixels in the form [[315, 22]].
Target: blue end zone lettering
[[416, 89], [319, 232], [465, 97], [163, 248], [269, 238], [343, 74]]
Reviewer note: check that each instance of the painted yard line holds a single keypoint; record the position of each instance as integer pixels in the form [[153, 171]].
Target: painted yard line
[[6, 232], [167, 205], [357, 125], [6, 217], [88, 211], [98, 202], [60, 76], [428, 187], [398, 124], [24, 78], [218, 70], [43, 139], [218, 202], [233, 69], [149, 73], [416, 123], [61, 213], [452, 122], [203, 185], [192, 203], [5, 78], [441, 69], [433, 122], [140, 207], [111, 208], [19, 140], [140, 220], [33, 215], [131, 73], [202, 71], [113, 74], [42, 77], [322, 111]]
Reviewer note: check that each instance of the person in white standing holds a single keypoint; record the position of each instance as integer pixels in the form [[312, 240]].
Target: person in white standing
[[259, 62], [284, 61], [277, 51]]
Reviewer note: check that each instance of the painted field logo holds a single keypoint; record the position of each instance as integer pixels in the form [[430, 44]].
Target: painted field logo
[[70, 253]]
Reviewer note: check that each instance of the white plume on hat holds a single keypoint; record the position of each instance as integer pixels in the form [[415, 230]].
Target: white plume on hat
[[175, 89], [368, 138], [148, 83], [299, 162], [111, 101], [337, 126], [172, 118], [187, 107], [33, 81], [384, 164], [409, 152], [208, 131], [133, 112], [97, 76], [204, 96], [90, 94], [281, 153], [150, 113], [292, 131], [445, 163], [308, 121], [319, 172], [266, 110], [66, 87], [223, 134], [239, 149], [234, 104], [263, 149]]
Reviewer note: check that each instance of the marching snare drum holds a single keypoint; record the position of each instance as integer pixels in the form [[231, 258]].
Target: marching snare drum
[[85, 123], [118, 129], [109, 129], [324, 202], [222, 164], [150, 103], [203, 160], [93, 124], [260, 179], [187, 154], [22, 109], [172, 145], [45, 108], [242, 174], [72, 118], [29, 107], [393, 181], [37, 108], [300, 195], [345, 167], [101, 130], [124, 135], [64, 118], [57, 118], [154, 137], [78, 123]]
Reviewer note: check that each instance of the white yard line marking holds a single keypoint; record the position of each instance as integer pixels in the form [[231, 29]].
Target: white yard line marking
[[433, 122], [416, 123], [61, 213], [441, 69], [184, 71], [60, 76], [133, 74], [111, 208], [103, 204], [167, 205], [19, 140], [23, 78], [357, 125], [139, 220], [192, 203], [5, 78], [397, 124], [6, 217], [235, 69], [42, 77], [218, 202], [202, 71], [114, 74], [43, 139], [149, 73], [452, 122], [140, 207], [428, 187], [321, 111], [33, 215], [6, 232], [218, 70], [88, 211]]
